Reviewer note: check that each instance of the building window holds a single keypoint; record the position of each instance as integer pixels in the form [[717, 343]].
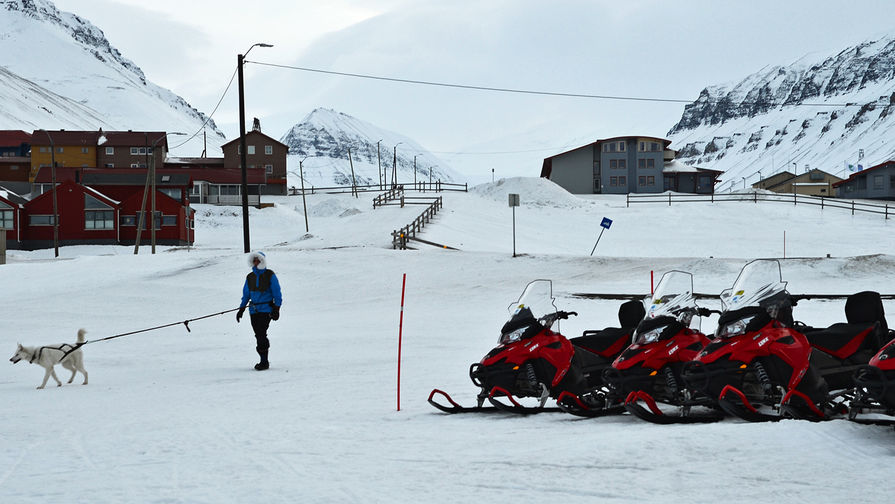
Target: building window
[[622, 164], [892, 181], [172, 192], [861, 183], [138, 165], [40, 220], [59, 149], [6, 216], [268, 149], [613, 181], [110, 151], [623, 181], [45, 149], [84, 150], [646, 180], [135, 151], [99, 219], [250, 149], [128, 220], [646, 164], [156, 221], [621, 146], [169, 220], [110, 165], [268, 169], [878, 182], [97, 215]]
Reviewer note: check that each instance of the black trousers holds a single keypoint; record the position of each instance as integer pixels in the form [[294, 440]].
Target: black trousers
[[260, 323]]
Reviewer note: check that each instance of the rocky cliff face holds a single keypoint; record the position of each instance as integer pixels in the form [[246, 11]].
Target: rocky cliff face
[[825, 113]]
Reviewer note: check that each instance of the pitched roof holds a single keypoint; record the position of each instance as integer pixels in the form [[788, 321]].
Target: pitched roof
[[254, 133], [13, 138], [134, 178], [862, 172], [132, 138], [63, 137]]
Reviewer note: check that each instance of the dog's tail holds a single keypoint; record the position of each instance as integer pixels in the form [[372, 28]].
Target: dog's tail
[[81, 333]]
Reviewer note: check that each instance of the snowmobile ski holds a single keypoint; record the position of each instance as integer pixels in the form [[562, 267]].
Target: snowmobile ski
[[455, 407], [734, 402], [653, 414], [515, 406], [574, 405]]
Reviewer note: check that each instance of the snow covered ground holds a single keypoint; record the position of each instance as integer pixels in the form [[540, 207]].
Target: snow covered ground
[[176, 416]]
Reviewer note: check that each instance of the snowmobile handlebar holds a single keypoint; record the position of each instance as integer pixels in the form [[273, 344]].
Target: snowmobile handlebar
[[550, 318]]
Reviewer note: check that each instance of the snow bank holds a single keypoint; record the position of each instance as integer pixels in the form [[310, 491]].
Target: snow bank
[[532, 191]]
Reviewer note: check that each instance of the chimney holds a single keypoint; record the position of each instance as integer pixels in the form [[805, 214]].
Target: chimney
[[256, 125]]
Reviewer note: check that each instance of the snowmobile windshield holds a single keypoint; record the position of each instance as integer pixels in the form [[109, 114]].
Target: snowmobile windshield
[[671, 305], [534, 304], [672, 297], [758, 282]]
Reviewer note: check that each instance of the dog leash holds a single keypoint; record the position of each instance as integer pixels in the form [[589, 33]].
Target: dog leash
[[186, 323]]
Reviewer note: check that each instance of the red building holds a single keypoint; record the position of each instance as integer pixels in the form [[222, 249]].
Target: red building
[[11, 211], [86, 216]]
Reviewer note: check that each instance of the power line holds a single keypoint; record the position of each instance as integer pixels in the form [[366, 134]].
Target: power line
[[526, 91], [208, 118]]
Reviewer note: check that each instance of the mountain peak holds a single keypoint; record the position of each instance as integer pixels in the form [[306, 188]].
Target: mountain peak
[[327, 135], [824, 112]]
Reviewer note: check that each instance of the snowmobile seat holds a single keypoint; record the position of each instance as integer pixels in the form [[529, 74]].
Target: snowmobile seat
[[630, 313], [867, 306], [610, 341], [863, 334]]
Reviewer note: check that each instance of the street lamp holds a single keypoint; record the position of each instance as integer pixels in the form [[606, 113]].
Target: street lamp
[[304, 203], [395, 165], [240, 59], [414, 170], [150, 176], [55, 205]]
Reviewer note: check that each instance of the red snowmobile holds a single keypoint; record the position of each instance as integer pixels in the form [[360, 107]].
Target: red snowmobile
[[764, 367], [648, 371], [533, 361], [875, 392]]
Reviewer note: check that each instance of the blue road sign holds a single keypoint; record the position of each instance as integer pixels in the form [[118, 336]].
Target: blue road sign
[[606, 222]]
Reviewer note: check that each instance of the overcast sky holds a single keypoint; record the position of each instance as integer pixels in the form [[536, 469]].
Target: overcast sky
[[645, 48]]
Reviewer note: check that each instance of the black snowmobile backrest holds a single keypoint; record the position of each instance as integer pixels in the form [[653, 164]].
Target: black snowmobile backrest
[[630, 313], [867, 307]]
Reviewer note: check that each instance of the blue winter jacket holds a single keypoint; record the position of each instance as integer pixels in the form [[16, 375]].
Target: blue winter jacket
[[262, 290]]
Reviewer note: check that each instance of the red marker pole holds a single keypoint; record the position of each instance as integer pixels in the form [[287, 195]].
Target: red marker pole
[[652, 290], [400, 334]]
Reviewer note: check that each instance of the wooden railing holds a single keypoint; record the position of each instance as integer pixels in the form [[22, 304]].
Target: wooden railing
[[389, 197], [755, 197], [408, 232]]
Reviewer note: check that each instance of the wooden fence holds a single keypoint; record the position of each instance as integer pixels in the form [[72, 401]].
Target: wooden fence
[[755, 197], [437, 186]]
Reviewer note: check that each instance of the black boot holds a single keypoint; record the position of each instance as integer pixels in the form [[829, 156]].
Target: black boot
[[261, 366]]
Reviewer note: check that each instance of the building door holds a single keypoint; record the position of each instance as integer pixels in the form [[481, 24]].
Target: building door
[[598, 182], [686, 183]]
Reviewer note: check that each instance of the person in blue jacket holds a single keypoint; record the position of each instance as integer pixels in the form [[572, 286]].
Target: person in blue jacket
[[261, 292]]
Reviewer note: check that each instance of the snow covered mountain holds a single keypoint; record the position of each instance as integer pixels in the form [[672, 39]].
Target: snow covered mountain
[[59, 71], [323, 138], [831, 113]]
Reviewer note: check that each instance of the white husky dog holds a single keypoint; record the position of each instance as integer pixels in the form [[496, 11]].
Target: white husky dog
[[70, 356]]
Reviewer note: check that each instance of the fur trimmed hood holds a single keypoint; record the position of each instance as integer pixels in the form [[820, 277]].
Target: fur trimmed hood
[[261, 257]]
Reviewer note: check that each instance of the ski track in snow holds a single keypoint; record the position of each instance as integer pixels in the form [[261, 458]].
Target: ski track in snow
[[177, 416]]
